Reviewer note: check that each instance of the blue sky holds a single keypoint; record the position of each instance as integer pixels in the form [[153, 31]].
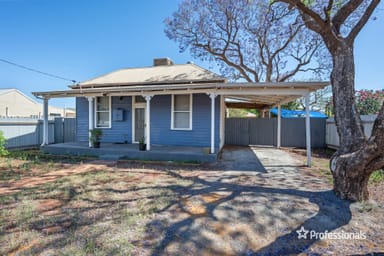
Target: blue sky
[[81, 39]]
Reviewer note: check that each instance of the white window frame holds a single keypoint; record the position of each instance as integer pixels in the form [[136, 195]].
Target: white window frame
[[109, 113], [190, 112]]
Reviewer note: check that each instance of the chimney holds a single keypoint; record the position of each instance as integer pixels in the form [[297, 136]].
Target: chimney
[[162, 62]]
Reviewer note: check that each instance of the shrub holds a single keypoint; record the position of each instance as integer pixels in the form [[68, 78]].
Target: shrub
[[377, 176], [3, 141]]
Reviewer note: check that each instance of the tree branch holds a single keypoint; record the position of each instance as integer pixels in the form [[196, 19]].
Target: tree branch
[[305, 10], [314, 22], [327, 11], [363, 20], [343, 13]]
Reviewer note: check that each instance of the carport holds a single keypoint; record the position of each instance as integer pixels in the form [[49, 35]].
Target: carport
[[264, 96]]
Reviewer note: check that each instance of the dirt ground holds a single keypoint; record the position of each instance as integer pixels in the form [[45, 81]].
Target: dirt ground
[[252, 202]]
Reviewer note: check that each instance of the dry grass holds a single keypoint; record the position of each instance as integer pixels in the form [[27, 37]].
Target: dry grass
[[47, 207], [81, 206]]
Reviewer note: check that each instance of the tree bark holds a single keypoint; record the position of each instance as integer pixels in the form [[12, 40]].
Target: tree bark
[[357, 156], [347, 118], [348, 168]]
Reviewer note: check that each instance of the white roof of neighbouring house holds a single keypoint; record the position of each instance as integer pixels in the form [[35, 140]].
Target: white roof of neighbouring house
[[164, 74], [14, 103], [3, 91]]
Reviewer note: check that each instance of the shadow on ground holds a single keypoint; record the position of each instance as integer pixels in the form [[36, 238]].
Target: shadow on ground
[[235, 207], [240, 230]]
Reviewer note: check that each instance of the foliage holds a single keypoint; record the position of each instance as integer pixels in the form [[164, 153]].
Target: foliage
[[142, 140], [3, 141], [254, 41], [95, 135], [240, 112], [293, 105], [369, 102], [377, 176]]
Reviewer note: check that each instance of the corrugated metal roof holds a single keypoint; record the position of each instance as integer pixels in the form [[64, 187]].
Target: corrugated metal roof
[[171, 74]]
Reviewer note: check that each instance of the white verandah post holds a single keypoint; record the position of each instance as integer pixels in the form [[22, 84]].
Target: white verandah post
[[90, 119], [278, 125], [212, 96], [148, 122], [45, 123], [308, 130]]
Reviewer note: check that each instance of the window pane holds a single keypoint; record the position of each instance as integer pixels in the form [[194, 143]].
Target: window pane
[[181, 103], [181, 120], [102, 119], [102, 104]]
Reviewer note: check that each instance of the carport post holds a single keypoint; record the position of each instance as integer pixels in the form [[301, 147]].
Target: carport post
[[45, 122], [90, 119], [308, 130], [212, 96], [278, 125]]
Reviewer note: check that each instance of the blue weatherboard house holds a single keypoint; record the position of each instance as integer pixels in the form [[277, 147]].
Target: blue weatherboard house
[[163, 117], [166, 105]]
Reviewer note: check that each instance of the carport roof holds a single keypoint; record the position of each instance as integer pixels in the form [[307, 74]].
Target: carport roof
[[262, 95]]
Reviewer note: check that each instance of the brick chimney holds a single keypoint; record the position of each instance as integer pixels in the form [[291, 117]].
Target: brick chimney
[[162, 62]]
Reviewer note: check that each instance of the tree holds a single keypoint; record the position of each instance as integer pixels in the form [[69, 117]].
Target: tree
[[318, 101], [251, 40], [338, 23]]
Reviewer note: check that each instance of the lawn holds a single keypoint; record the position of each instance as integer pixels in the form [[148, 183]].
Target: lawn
[[83, 206]]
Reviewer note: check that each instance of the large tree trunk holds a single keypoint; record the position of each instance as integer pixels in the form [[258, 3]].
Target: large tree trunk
[[348, 167]]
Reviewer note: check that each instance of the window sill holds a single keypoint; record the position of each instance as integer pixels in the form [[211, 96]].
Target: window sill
[[181, 129]]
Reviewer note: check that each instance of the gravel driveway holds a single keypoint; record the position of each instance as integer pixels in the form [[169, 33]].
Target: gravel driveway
[[253, 202]]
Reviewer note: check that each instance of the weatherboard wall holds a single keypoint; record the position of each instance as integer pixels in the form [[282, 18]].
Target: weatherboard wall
[[161, 132]]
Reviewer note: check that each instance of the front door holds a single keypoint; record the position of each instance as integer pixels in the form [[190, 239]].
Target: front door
[[139, 123]]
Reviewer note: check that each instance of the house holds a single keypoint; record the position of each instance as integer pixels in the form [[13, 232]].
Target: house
[[13, 103], [168, 104]]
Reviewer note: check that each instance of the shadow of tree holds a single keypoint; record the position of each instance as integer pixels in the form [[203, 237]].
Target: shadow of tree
[[214, 212], [332, 213]]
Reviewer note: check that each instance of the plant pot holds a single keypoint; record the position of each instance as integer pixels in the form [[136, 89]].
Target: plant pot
[[142, 146], [96, 144]]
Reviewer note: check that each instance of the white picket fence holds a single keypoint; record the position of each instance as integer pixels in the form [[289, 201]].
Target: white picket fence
[[331, 136]]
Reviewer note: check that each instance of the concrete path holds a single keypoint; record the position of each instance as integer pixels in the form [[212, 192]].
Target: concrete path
[[248, 160]]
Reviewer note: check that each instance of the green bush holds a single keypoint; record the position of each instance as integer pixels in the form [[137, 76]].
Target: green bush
[[377, 176], [3, 141]]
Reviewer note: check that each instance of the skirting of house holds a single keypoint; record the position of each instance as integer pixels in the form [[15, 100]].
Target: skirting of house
[[112, 151]]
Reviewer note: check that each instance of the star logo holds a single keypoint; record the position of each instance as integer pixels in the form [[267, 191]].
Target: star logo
[[302, 233]]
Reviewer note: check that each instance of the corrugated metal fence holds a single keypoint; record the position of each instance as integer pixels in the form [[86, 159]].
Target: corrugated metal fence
[[28, 132], [332, 138], [261, 131]]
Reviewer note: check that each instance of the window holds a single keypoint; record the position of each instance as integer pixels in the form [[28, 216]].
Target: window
[[181, 112], [103, 112]]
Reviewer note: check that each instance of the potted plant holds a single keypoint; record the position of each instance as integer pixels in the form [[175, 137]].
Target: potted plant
[[142, 145], [95, 137]]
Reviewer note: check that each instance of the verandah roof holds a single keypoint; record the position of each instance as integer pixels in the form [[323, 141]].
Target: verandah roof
[[264, 94]]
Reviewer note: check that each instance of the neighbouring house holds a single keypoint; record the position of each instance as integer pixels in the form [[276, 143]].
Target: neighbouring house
[[169, 104], [14, 103]]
